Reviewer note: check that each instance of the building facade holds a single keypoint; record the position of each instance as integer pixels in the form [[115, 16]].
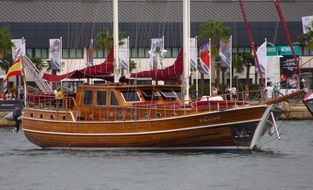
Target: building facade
[[78, 21]]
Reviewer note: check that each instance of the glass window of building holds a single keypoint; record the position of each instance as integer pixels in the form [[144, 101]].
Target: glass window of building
[[65, 53], [44, 53], [37, 52], [29, 53], [72, 53], [79, 53], [134, 52], [141, 52], [174, 52]]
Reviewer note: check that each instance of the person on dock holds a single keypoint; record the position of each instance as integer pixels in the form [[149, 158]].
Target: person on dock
[[17, 112], [246, 94]]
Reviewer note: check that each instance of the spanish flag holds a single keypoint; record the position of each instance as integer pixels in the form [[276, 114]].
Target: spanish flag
[[15, 69]]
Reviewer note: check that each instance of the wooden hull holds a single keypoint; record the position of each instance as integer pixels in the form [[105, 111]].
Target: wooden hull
[[233, 128]]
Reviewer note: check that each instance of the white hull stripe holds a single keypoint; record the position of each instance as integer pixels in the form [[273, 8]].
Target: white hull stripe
[[140, 133], [154, 148]]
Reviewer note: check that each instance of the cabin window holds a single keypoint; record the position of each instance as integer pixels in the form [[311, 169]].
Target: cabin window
[[168, 94], [130, 96], [113, 101], [101, 98], [151, 94], [178, 94], [88, 97]]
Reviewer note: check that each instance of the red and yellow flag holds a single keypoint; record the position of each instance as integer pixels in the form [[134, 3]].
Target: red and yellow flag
[[15, 69]]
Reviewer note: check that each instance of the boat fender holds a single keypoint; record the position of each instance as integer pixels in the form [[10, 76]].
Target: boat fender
[[17, 112], [9, 116], [286, 106]]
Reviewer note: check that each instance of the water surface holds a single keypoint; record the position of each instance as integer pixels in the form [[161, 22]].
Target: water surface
[[284, 164]]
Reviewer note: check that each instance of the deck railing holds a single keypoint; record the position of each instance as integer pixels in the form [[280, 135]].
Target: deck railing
[[137, 111]]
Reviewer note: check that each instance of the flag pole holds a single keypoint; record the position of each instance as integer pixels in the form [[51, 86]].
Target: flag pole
[[197, 69], [210, 72], [266, 61], [231, 62], [60, 54], [23, 73]]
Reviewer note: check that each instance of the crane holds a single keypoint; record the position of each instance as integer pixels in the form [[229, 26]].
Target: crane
[[286, 31]]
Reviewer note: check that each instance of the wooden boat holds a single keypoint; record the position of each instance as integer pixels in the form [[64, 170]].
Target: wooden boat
[[147, 117], [144, 117]]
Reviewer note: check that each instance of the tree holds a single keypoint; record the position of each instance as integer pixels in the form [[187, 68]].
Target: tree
[[5, 48], [243, 62], [132, 65], [105, 40], [307, 38], [215, 31], [39, 63], [237, 64]]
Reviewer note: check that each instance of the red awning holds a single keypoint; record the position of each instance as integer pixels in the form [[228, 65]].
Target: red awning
[[172, 72], [96, 71]]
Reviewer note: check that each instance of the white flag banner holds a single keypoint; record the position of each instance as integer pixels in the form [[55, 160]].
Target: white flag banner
[[56, 53], [124, 54], [225, 53], [307, 23], [157, 53], [261, 53], [193, 53], [19, 48]]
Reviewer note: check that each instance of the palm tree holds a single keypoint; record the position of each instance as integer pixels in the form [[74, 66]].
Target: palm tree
[[237, 64], [39, 63], [307, 38], [104, 40], [5, 48], [215, 31], [132, 65]]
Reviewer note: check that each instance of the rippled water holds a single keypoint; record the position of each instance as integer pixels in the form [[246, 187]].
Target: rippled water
[[284, 164]]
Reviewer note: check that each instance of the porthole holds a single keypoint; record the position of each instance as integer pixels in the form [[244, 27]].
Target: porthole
[[64, 117], [41, 116], [31, 114], [51, 116], [159, 114]]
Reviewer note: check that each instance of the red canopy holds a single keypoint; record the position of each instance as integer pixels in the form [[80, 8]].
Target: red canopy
[[172, 72], [95, 71]]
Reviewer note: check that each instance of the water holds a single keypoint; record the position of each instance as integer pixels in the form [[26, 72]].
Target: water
[[284, 164]]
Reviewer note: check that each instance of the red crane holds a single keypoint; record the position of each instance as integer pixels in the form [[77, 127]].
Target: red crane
[[286, 31]]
